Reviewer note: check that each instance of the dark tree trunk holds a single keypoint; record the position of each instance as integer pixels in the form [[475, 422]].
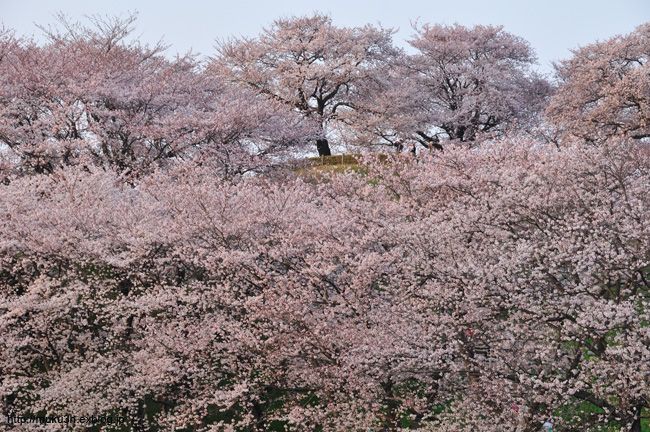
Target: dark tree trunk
[[460, 132], [391, 419], [430, 142], [636, 424], [323, 147]]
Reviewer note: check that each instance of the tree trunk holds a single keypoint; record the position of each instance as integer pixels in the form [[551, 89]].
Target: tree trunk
[[636, 424], [460, 132], [429, 142], [391, 420], [323, 147]]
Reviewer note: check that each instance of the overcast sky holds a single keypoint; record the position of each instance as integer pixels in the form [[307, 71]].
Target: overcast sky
[[552, 27]]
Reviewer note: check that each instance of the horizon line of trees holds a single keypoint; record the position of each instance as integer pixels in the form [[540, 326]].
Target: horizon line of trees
[[92, 94]]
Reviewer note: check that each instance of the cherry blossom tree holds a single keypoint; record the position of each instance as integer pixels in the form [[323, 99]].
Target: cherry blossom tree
[[563, 315], [386, 114], [481, 288], [604, 89], [497, 286], [309, 65], [466, 81], [91, 95]]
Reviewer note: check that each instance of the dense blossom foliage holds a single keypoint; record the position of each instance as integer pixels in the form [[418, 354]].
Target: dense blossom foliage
[[310, 66], [462, 83], [154, 268], [89, 96], [496, 286], [605, 89]]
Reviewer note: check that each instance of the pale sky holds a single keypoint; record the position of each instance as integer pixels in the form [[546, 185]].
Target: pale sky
[[552, 27]]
